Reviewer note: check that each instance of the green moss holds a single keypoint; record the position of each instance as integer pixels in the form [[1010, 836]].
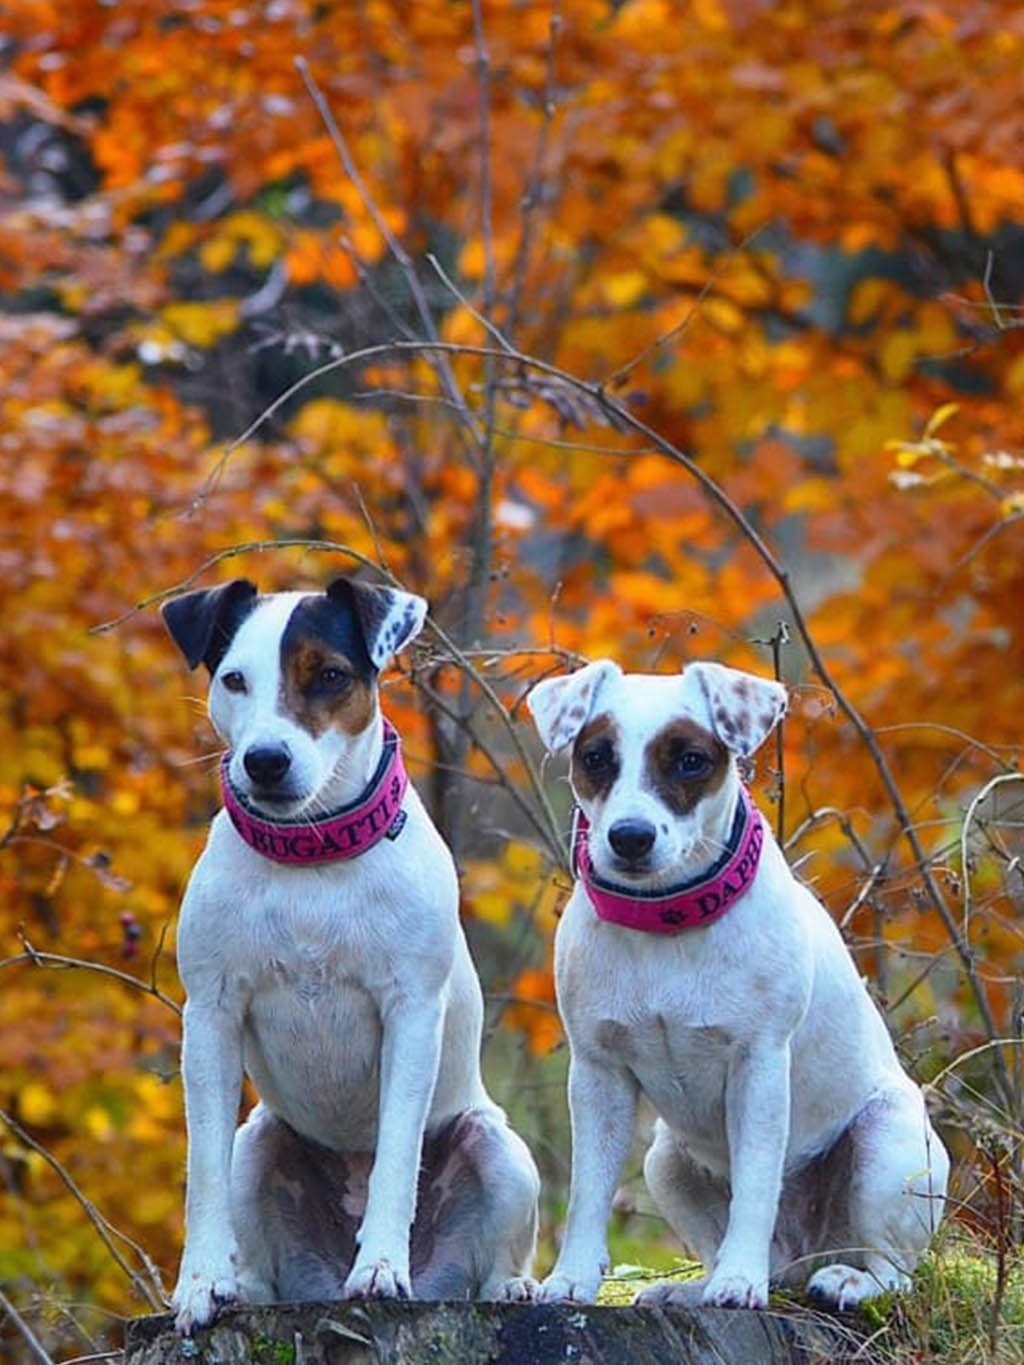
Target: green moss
[[626, 1280], [266, 1351]]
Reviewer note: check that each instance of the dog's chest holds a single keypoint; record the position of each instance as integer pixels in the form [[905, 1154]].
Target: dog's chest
[[302, 966]]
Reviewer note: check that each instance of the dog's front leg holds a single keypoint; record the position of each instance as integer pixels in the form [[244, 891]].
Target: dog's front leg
[[212, 1071], [757, 1125], [410, 1053], [602, 1109]]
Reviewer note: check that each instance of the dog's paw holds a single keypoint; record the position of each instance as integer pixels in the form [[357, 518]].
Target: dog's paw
[[732, 1289], [377, 1280], [841, 1287], [671, 1294], [200, 1295], [517, 1289], [562, 1287]]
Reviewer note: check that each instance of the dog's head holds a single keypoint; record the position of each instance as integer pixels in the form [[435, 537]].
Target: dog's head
[[653, 760], [293, 683]]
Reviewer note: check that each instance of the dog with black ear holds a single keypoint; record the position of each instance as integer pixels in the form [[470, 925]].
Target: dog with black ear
[[320, 947]]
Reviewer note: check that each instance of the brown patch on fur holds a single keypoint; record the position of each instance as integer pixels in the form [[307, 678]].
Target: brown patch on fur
[[602, 731], [682, 794], [318, 708]]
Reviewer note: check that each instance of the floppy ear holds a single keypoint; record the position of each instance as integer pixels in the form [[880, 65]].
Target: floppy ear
[[202, 624], [561, 706], [743, 709], [388, 618]]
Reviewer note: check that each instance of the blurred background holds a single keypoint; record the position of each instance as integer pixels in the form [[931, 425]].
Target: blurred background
[[658, 329]]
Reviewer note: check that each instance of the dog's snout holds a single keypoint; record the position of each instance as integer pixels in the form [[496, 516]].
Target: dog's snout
[[632, 839], [267, 764]]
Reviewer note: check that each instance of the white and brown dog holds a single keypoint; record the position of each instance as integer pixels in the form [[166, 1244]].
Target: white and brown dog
[[693, 966], [321, 951]]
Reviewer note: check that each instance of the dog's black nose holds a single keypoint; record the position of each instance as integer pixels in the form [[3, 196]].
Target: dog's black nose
[[632, 839], [266, 764]]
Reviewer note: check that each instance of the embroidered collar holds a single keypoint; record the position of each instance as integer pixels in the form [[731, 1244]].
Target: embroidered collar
[[690, 905], [342, 833]]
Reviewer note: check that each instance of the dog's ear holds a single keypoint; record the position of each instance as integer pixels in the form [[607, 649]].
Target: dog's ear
[[743, 709], [388, 618], [561, 706], [203, 624]]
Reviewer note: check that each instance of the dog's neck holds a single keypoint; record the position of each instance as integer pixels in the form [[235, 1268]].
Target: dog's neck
[[358, 763], [339, 834], [690, 905]]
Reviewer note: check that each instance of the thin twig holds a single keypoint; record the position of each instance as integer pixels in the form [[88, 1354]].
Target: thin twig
[[25, 1331], [535, 182], [435, 699], [618, 377], [58, 962]]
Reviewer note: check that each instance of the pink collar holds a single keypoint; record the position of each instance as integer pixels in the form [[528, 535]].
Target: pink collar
[[343, 833], [689, 906]]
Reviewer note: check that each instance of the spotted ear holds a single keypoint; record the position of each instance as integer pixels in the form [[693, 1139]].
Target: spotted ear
[[202, 624], [743, 709], [561, 706], [389, 619]]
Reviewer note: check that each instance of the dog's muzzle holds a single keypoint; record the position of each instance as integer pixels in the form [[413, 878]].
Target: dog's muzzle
[[343, 833]]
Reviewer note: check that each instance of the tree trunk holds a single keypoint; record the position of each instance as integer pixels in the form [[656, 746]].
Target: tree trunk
[[401, 1333]]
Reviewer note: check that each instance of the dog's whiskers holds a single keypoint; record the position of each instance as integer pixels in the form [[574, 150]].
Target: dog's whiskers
[[211, 759]]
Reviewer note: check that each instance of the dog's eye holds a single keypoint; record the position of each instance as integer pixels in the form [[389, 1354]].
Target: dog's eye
[[333, 679], [234, 681], [597, 759], [690, 763]]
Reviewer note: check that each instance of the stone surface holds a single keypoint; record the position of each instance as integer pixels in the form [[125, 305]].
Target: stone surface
[[378, 1333]]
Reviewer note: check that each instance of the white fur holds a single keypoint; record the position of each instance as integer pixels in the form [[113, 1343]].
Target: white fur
[[347, 993], [754, 1039]]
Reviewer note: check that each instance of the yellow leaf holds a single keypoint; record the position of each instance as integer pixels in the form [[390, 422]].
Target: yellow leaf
[[493, 907], [866, 299], [1012, 504], [897, 355], [201, 324], [625, 288], [1015, 376], [92, 756], [810, 495], [98, 1123], [36, 1104], [939, 416], [522, 862], [908, 456], [710, 15], [218, 253]]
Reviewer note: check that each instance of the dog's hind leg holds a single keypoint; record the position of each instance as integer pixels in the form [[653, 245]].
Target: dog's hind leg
[[296, 1208], [476, 1217], [897, 1192], [694, 1203]]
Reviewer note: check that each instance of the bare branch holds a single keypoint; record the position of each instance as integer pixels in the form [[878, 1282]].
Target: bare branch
[[56, 961], [29, 1337], [534, 185]]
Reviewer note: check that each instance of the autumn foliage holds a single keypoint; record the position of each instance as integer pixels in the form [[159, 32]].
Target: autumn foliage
[[645, 329]]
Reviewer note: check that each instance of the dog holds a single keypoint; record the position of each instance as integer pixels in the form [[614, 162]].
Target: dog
[[321, 951], [692, 966]]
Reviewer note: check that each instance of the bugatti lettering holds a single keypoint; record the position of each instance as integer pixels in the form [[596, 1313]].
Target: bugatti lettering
[[310, 845]]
